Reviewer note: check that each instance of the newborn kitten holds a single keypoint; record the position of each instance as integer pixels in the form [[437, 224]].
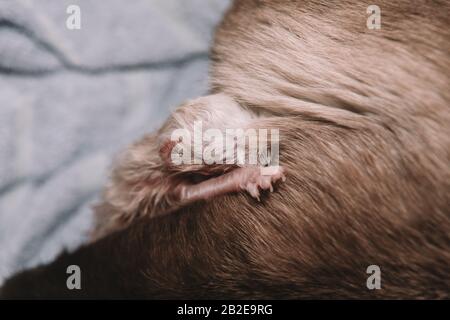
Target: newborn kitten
[[147, 183]]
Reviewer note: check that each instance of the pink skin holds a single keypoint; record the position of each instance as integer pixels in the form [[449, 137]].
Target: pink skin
[[249, 178]]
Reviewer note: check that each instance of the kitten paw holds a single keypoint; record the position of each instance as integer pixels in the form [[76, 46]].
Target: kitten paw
[[261, 178]]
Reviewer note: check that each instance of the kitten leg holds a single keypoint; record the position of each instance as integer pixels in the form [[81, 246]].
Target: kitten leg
[[251, 179]]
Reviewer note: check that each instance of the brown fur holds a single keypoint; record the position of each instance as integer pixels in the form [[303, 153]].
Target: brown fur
[[364, 119]]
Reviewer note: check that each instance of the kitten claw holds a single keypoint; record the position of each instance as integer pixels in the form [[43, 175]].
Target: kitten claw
[[262, 179]]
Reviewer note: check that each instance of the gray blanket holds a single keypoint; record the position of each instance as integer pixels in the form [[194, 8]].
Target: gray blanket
[[71, 99]]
